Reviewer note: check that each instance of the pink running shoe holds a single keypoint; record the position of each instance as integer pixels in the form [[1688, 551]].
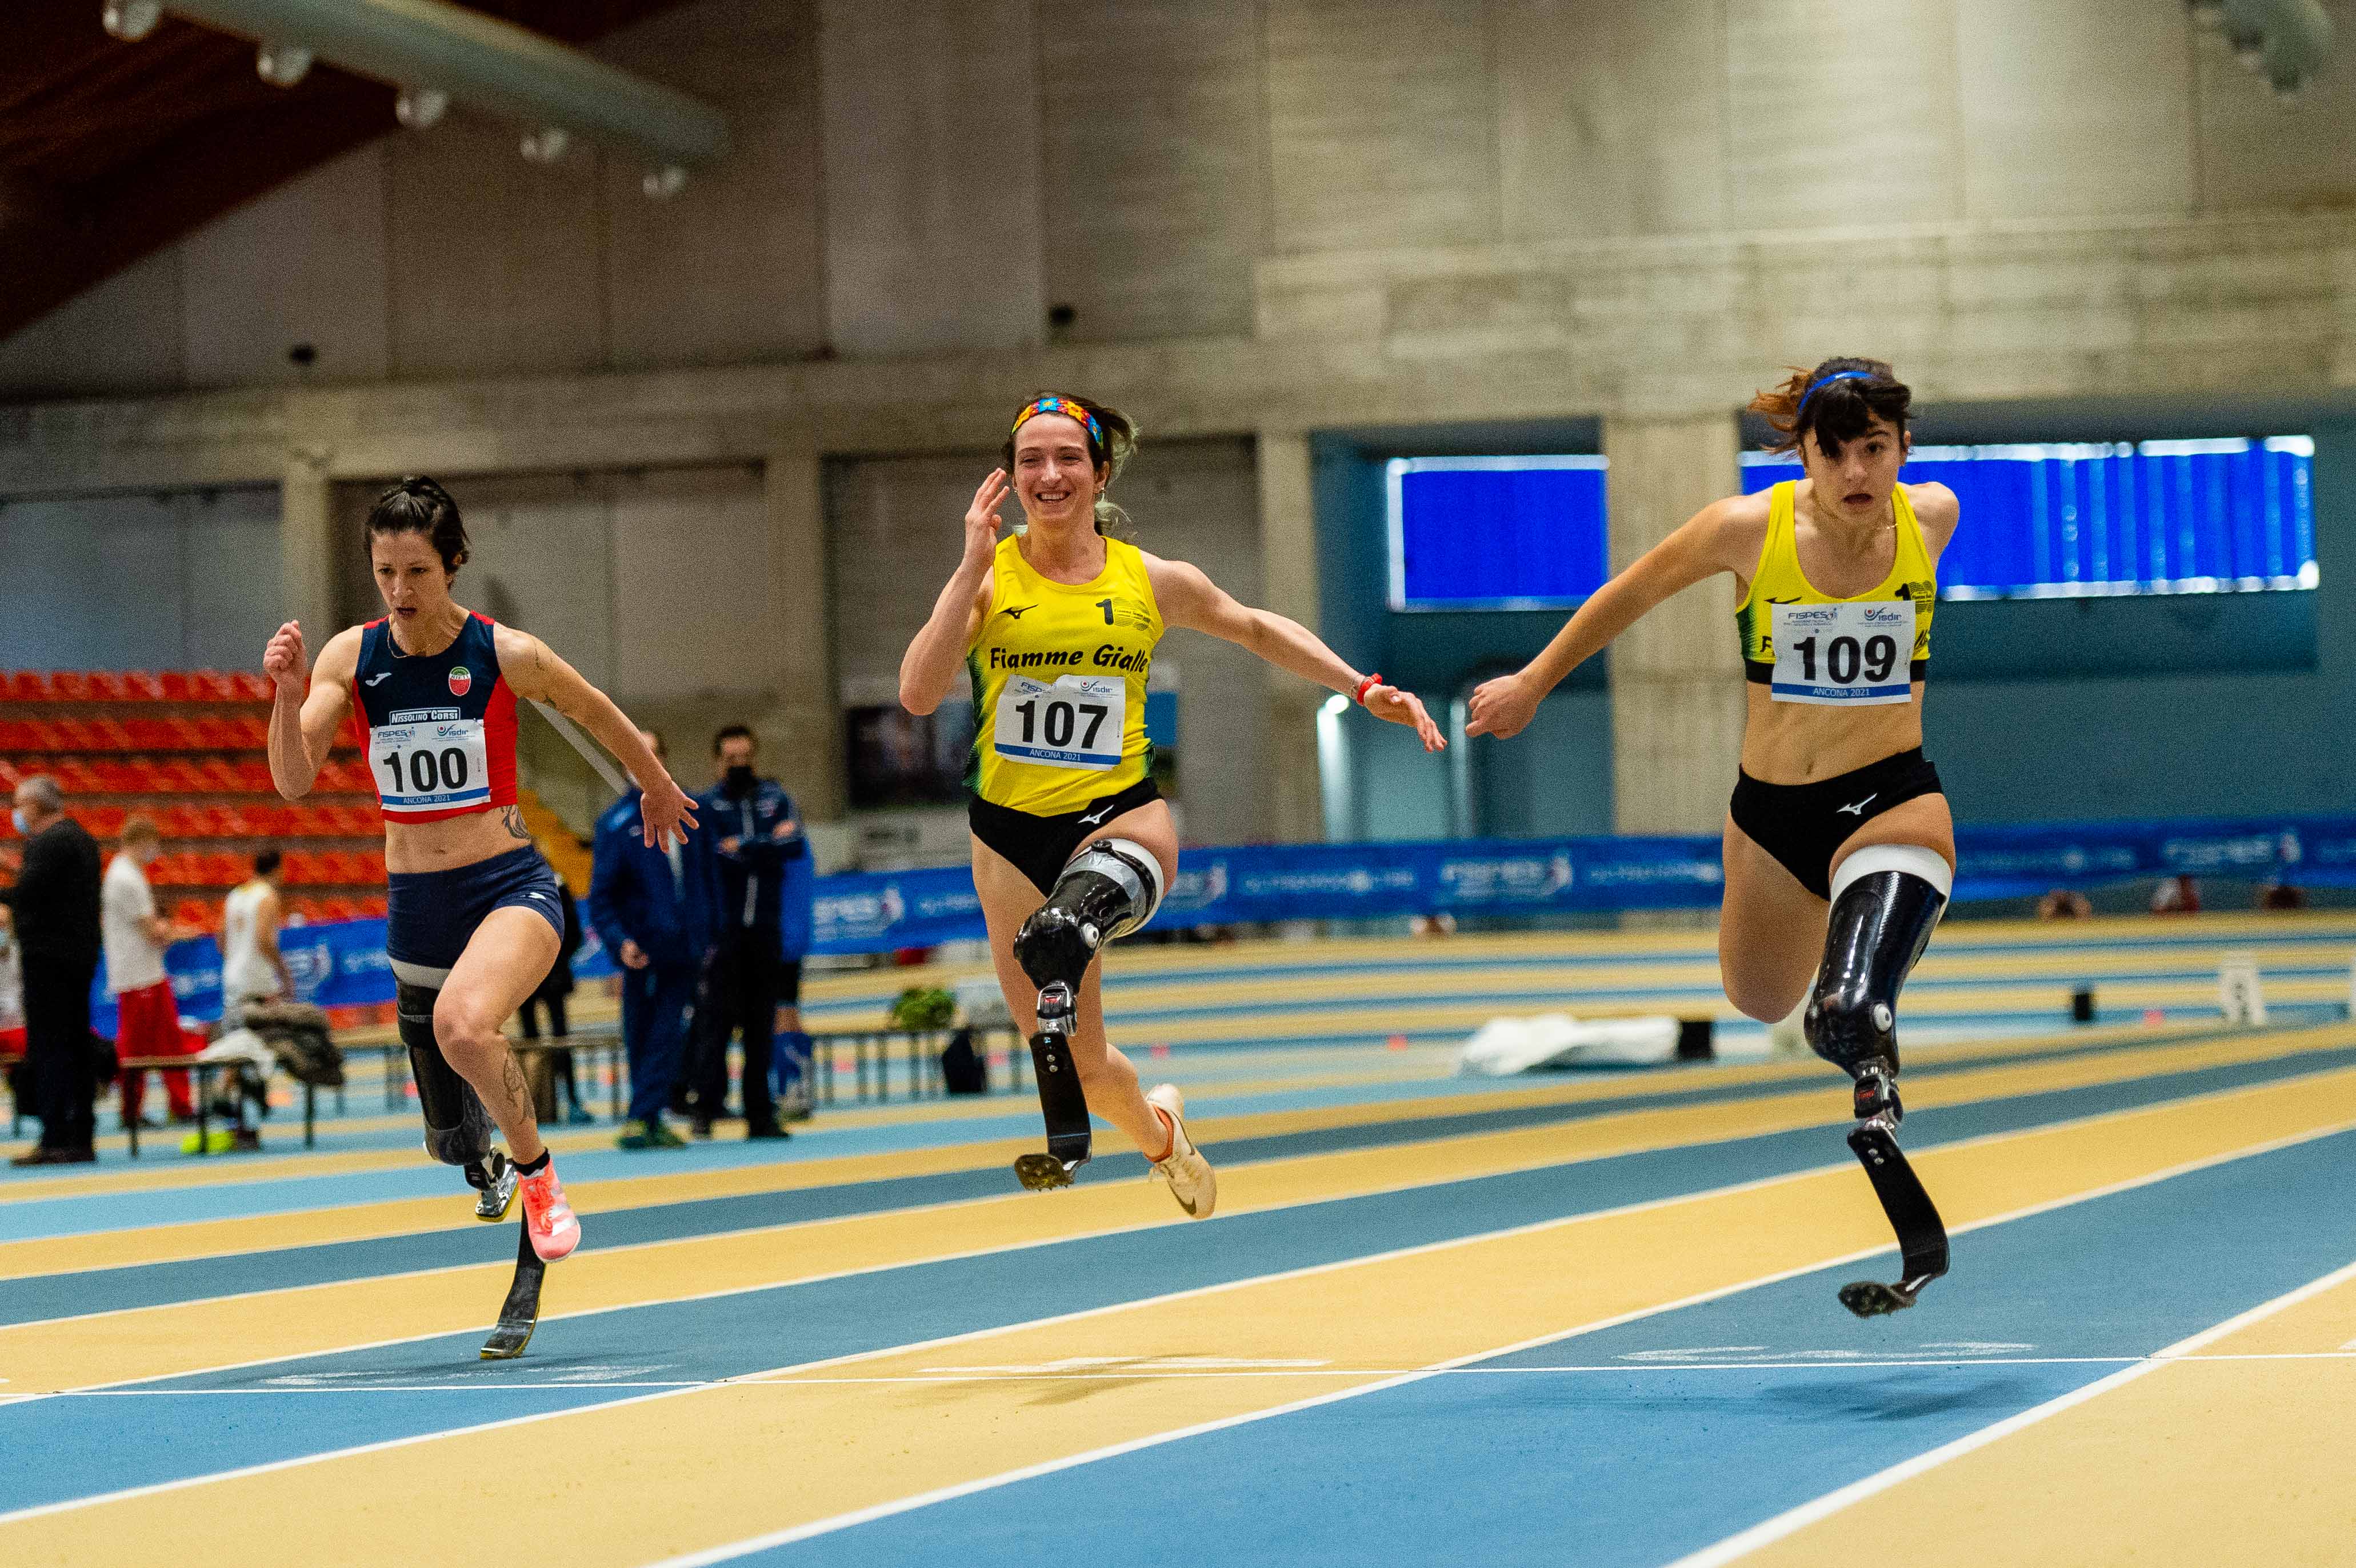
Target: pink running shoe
[[555, 1228]]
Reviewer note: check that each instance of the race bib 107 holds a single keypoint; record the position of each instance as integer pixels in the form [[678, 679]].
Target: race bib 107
[[433, 765], [1844, 655], [1077, 722]]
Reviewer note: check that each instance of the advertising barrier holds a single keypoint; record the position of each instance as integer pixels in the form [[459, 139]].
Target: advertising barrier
[[858, 912]]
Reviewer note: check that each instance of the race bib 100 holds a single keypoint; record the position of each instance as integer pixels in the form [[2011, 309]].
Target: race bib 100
[[433, 765], [1077, 722], [1852, 654]]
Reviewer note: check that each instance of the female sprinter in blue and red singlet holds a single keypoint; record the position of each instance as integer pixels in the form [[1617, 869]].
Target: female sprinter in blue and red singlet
[[1840, 851], [474, 918], [1055, 628]]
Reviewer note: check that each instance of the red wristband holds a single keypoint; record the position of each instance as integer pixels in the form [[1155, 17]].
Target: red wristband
[[1368, 684]]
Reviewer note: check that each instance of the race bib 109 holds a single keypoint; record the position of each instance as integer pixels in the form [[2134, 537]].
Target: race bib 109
[[433, 765], [1079, 722], [1844, 655]]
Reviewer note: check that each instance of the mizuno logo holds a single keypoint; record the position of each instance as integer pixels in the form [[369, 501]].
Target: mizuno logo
[[1099, 815], [1016, 612], [1858, 810], [385, 675]]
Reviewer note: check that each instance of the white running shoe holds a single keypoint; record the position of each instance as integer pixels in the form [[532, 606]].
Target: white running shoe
[[1192, 1181]]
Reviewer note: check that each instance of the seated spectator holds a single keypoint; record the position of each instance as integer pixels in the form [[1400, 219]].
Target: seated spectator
[[2064, 904], [2175, 896]]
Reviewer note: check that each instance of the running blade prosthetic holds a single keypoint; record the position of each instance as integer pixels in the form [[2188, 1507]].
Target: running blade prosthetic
[[1921, 1238], [1061, 1100], [521, 1313]]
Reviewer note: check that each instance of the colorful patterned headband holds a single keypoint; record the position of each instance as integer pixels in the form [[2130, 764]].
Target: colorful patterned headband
[[1051, 404], [1823, 381]]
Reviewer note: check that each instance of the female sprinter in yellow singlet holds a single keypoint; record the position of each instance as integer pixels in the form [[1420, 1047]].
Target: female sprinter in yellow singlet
[[1839, 851], [1056, 627]]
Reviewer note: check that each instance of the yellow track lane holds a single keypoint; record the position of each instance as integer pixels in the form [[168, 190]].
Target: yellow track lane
[[215, 1238], [2207, 1459], [157, 1341], [874, 1429]]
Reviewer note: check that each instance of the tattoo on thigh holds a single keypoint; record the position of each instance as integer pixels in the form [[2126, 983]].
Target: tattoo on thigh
[[513, 817]]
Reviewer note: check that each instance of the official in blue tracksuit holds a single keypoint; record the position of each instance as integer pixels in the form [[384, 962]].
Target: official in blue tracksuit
[[656, 910], [758, 835]]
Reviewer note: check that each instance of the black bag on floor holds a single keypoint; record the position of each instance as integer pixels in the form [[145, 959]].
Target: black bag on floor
[[963, 1070]]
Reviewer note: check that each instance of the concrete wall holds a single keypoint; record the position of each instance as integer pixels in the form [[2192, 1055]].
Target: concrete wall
[[914, 179], [1245, 223]]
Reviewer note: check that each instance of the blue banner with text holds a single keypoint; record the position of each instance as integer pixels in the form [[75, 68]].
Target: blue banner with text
[[861, 912]]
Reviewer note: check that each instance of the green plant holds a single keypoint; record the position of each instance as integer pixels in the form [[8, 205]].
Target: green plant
[[923, 1008]]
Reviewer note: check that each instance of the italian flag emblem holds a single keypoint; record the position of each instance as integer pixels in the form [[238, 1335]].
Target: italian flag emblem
[[460, 681]]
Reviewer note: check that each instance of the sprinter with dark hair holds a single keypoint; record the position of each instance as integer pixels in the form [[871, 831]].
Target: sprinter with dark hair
[[1840, 851], [475, 918], [1055, 627]]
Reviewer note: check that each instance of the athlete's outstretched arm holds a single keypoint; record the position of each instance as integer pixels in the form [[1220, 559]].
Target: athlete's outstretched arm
[[1190, 599], [930, 666], [307, 706], [537, 674], [1709, 542]]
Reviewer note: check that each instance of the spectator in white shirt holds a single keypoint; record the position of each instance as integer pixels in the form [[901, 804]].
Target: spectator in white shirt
[[148, 1014]]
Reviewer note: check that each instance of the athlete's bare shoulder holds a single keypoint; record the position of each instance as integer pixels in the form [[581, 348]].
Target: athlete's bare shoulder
[[1733, 530], [340, 656], [1937, 509]]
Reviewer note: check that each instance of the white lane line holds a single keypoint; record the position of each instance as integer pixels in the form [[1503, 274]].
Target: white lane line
[[973, 1336], [1792, 1522], [945, 1494], [933, 1379]]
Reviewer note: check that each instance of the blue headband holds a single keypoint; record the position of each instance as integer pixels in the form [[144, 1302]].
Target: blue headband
[[1823, 381]]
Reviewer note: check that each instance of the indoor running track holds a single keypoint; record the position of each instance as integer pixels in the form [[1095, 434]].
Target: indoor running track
[[1577, 1319]]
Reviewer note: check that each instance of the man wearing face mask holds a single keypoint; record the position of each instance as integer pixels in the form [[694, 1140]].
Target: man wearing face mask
[[56, 902], [758, 834]]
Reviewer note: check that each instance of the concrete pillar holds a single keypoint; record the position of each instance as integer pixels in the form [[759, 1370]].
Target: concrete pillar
[[307, 576], [803, 735], [1288, 544], [1676, 675]]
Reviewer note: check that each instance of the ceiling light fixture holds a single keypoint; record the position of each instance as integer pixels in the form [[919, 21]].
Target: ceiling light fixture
[[421, 107], [662, 184], [547, 147], [132, 20], [282, 64]]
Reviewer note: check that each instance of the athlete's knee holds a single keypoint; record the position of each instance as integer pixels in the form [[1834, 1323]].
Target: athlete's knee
[[1767, 1002], [465, 1029], [1885, 900], [1108, 890]]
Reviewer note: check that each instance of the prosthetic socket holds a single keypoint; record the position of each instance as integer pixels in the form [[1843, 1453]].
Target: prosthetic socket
[[1880, 923], [457, 1129], [1108, 890]]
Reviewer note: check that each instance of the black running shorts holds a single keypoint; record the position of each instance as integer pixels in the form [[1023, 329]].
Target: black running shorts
[[1803, 825], [1041, 847]]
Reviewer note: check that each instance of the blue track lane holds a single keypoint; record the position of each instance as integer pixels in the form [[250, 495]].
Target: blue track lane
[[1640, 1465], [747, 1332], [152, 1284]]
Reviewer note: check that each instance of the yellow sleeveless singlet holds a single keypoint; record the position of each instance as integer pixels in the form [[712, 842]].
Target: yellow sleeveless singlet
[[1809, 647], [1059, 684]]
